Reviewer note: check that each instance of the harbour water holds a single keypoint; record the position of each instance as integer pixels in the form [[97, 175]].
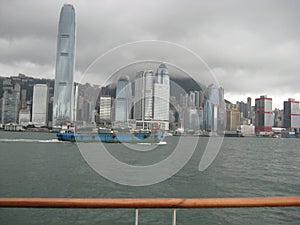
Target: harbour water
[[36, 165]]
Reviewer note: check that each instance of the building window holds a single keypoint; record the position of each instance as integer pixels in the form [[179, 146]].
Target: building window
[[64, 54], [62, 83], [65, 35]]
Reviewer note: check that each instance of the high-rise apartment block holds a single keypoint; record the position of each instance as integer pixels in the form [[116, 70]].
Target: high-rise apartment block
[[63, 94], [291, 114], [263, 114]]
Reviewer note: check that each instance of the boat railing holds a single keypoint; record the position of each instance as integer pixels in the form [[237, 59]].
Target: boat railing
[[138, 203]]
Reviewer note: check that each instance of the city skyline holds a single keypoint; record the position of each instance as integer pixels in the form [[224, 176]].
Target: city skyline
[[193, 109], [251, 43]]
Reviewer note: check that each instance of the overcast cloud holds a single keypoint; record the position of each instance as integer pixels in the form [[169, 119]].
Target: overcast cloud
[[253, 47]]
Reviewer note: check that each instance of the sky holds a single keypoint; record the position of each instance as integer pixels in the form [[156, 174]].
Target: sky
[[252, 48]]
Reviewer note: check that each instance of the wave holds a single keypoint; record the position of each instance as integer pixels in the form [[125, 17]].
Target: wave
[[29, 140]]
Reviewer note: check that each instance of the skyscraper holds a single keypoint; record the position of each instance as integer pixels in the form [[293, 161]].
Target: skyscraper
[[233, 119], [40, 105], [207, 116], [249, 106], [10, 106], [161, 94], [143, 97], [123, 100], [291, 114], [63, 94], [105, 109], [263, 114], [213, 99]]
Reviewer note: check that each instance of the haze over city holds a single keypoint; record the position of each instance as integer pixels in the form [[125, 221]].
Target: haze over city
[[252, 48]]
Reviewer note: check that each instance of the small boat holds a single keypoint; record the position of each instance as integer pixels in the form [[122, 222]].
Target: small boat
[[276, 136]]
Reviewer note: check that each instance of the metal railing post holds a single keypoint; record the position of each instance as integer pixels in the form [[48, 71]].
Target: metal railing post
[[136, 217], [174, 217]]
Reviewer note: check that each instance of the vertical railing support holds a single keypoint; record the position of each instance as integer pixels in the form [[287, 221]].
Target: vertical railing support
[[174, 217], [136, 217]]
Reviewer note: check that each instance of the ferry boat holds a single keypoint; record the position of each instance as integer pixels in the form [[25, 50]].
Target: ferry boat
[[110, 136]]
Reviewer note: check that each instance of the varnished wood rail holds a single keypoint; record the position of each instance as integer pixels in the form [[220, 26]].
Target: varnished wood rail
[[284, 201]]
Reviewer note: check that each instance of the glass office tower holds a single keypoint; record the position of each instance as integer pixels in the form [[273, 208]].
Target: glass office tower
[[40, 105], [161, 94], [123, 100], [63, 97]]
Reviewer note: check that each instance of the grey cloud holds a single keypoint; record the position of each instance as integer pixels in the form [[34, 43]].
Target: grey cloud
[[240, 40]]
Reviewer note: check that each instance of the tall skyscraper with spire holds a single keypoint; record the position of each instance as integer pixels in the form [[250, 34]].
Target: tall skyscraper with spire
[[63, 89]]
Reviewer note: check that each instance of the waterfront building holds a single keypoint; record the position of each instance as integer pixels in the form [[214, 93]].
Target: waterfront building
[[183, 100], [233, 119], [249, 102], [291, 114], [122, 105], [10, 105], [63, 94], [278, 118], [143, 95], [221, 111], [243, 108], [213, 102], [192, 100], [105, 109], [263, 114], [161, 94], [193, 119], [23, 99], [24, 117], [152, 99], [215, 117], [75, 106], [213, 94], [1, 100], [40, 105], [247, 130], [207, 116]]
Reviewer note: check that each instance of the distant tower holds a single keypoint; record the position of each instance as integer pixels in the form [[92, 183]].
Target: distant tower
[[161, 94], [291, 114], [213, 99], [207, 115], [123, 100], [233, 119], [40, 105], [63, 94], [105, 109], [263, 114], [143, 98], [249, 105], [10, 106]]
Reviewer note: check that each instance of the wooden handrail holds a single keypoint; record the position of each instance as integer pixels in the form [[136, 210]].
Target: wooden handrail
[[286, 201]]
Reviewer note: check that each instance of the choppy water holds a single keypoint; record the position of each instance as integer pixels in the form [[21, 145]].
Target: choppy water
[[36, 165]]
